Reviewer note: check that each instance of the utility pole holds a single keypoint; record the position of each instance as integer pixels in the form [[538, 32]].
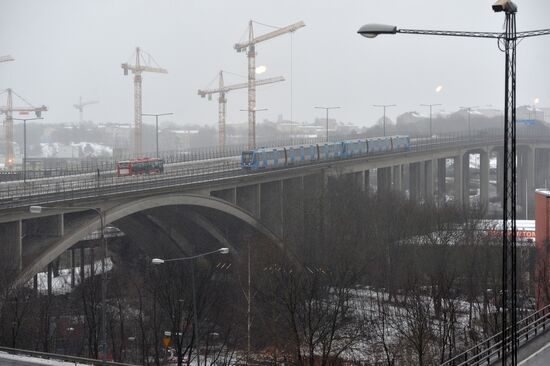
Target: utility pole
[[327, 109], [157, 127], [430, 105], [384, 106], [469, 109]]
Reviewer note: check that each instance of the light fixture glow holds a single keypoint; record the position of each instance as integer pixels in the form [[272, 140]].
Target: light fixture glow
[[261, 69], [439, 88]]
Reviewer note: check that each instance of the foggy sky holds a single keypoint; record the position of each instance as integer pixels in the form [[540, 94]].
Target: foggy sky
[[67, 48]]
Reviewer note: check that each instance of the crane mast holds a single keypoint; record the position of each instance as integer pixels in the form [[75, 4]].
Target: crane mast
[[250, 46], [222, 100], [80, 106], [8, 123], [137, 70]]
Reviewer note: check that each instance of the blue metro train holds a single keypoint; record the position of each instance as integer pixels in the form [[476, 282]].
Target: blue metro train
[[279, 157]]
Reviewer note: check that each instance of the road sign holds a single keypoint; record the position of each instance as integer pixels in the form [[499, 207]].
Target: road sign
[[167, 339]]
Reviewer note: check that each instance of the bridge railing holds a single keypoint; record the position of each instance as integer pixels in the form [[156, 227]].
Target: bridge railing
[[91, 165], [57, 357], [17, 194], [490, 350]]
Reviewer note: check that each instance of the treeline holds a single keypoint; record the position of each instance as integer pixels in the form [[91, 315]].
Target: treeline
[[371, 279]]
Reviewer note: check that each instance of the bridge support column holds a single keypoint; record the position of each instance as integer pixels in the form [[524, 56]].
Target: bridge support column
[[484, 178], [397, 178], [229, 195], [458, 182], [11, 246], [414, 181], [248, 198], [441, 180], [293, 210], [526, 181], [359, 180], [383, 179], [271, 206], [466, 176], [500, 172], [367, 181], [429, 183]]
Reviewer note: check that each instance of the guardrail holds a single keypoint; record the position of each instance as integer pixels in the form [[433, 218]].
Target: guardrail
[[65, 358], [490, 350], [50, 190]]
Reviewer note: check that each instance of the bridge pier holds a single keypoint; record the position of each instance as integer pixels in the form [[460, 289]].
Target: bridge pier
[[441, 180], [248, 198], [414, 181], [293, 209], [458, 181], [397, 173], [229, 195], [271, 206], [429, 183], [484, 178], [526, 180], [11, 247], [383, 179]]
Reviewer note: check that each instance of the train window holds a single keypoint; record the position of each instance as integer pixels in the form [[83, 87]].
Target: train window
[[247, 157]]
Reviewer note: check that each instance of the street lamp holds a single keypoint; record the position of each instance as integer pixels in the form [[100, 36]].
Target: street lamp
[[159, 261], [384, 106], [101, 214], [327, 109], [469, 110], [431, 106], [25, 143], [157, 126], [507, 42]]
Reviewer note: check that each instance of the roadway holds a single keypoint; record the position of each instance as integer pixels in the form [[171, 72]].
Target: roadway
[[535, 353]]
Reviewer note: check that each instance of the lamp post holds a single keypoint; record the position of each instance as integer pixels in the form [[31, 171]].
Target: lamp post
[[25, 143], [431, 106], [157, 126], [507, 42], [101, 215], [327, 109], [384, 106], [469, 110], [159, 261]]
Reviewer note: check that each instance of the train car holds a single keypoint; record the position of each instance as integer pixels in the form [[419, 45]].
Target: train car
[[331, 150], [272, 158], [355, 148], [401, 143], [139, 166], [379, 144]]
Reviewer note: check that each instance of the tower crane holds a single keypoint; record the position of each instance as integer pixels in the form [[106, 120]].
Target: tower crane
[[222, 90], [8, 110], [250, 45], [141, 64], [80, 106]]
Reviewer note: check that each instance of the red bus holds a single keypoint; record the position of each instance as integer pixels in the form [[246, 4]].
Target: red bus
[[139, 166]]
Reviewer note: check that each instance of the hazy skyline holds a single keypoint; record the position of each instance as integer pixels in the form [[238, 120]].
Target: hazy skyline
[[67, 49]]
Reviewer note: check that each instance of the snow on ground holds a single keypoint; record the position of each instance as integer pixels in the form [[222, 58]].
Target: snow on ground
[[74, 150], [62, 283], [38, 361]]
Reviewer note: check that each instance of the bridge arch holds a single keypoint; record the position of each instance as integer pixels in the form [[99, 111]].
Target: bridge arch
[[115, 213]]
